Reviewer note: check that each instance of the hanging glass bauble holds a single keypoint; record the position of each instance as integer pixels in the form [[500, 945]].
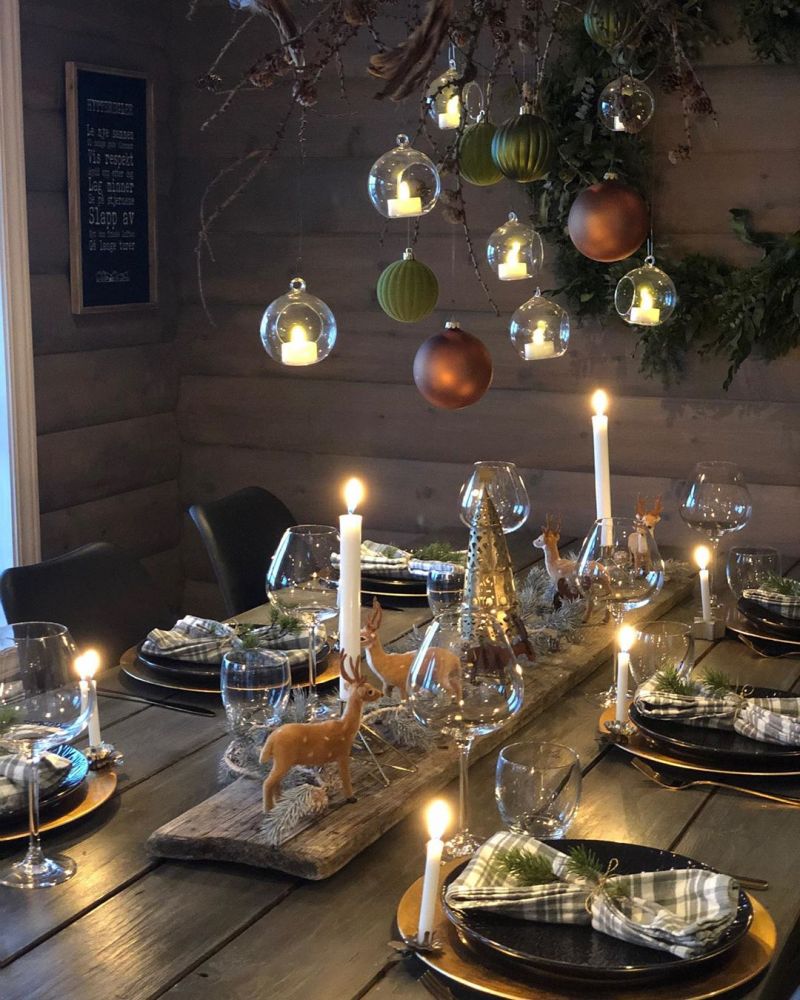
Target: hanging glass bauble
[[608, 221], [524, 147], [646, 296], [443, 99], [452, 369], [404, 182], [298, 328], [610, 23], [540, 329], [626, 105], [514, 250], [407, 289], [475, 163]]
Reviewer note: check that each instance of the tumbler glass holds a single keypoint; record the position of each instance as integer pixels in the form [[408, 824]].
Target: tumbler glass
[[537, 788]]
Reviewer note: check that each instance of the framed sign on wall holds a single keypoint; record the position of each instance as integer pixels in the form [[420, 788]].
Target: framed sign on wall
[[112, 202]]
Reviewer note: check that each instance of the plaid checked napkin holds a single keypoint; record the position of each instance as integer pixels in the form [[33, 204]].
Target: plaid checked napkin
[[13, 789], [769, 720], [785, 605], [202, 640], [382, 560], [683, 911]]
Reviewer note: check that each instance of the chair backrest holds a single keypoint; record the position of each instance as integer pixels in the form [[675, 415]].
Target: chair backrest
[[240, 533], [104, 596]]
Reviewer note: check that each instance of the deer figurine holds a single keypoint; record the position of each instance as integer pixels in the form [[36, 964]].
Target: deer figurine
[[559, 570], [645, 520], [393, 668], [316, 743]]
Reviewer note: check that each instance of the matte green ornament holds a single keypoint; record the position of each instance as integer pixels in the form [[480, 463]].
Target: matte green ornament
[[524, 147], [475, 163], [609, 23], [407, 289]]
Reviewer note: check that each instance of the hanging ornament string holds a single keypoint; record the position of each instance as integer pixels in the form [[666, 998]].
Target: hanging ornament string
[[301, 141]]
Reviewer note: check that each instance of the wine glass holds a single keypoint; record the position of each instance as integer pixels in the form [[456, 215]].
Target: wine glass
[[661, 646], [619, 566], [749, 567], [465, 682], [717, 502], [42, 703], [445, 587], [301, 581], [537, 788], [506, 490]]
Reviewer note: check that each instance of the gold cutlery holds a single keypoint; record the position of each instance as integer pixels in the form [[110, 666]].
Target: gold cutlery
[[679, 784], [435, 986]]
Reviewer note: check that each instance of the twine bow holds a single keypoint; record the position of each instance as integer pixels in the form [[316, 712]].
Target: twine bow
[[601, 887]]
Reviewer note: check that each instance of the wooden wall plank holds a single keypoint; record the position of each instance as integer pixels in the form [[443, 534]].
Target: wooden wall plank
[[541, 430], [143, 521], [88, 463]]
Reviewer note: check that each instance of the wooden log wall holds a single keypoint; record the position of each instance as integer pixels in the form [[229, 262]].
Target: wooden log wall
[[300, 432], [106, 385]]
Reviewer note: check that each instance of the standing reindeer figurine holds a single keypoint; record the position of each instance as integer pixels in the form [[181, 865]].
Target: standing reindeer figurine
[[561, 571], [645, 521], [316, 743], [393, 668]]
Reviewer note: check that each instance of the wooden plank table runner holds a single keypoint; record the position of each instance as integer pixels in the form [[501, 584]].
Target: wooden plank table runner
[[227, 826]]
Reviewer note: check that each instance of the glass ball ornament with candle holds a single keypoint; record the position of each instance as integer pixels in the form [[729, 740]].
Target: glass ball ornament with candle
[[540, 329], [646, 296], [298, 329], [404, 183], [626, 105], [443, 99], [514, 250]]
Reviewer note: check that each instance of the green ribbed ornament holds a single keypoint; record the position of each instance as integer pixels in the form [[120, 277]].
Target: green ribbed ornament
[[407, 289], [609, 23], [475, 163], [524, 147]]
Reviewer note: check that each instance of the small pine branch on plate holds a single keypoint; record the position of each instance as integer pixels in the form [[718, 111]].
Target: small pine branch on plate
[[717, 682], [584, 863], [669, 681], [285, 622], [440, 552], [525, 866], [775, 584]]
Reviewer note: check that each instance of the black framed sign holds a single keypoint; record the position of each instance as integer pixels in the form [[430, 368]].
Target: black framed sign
[[112, 207]]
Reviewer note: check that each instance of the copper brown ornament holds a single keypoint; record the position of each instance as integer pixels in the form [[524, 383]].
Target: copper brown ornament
[[452, 369], [608, 221]]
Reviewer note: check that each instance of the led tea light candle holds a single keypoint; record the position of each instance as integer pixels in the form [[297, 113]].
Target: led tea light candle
[[539, 347], [299, 349], [702, 556], [452, 114], [404, 206], [350, 578], [625, 638], [645, 314], [512, 268], [438, 819]]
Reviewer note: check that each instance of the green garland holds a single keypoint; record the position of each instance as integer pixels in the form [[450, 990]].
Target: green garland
[[723, 309]]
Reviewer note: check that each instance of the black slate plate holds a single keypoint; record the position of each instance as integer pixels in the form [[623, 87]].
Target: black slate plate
[[715, 745], [69, 783], [417, 585], [205, 674], [769, 620], [577, 950]]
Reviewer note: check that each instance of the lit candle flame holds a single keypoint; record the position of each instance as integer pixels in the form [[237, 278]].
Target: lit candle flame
[[353, 494], [512, 257], [298, 334], [539, 332], [453, 107], [437, 816], [625, 638], [702, 556], [646, 297], [403, 191], [87, 663], [600, 402]]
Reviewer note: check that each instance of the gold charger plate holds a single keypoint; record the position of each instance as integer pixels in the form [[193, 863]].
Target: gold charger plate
[[462, 965], [99, 787], [638, 746]]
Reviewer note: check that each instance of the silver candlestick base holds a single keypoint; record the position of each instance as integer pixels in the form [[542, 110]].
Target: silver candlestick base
[[412, 945], [710, 630], [619, 731], [104, 755]]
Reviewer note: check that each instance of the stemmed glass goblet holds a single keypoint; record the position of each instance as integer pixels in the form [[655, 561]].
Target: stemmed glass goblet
[[620, 567], [465, 682], [506, 490], [717, 502], [301, 581], [42, 703]]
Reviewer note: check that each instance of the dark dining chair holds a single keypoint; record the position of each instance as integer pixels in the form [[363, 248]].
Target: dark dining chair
[[240, 533], [104, 596]]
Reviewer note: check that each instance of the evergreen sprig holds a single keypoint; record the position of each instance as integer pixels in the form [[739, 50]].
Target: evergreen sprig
[[584, 863], [439, 552], [525, 866], [780, 585], [669, 681], [717, 681]]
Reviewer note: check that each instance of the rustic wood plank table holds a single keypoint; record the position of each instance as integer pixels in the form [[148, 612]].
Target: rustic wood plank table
[[133, 927]]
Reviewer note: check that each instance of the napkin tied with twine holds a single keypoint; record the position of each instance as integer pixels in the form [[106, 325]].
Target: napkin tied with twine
[[683, 911]]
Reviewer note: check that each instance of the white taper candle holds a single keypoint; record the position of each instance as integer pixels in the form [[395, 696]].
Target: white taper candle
[[350, 579]]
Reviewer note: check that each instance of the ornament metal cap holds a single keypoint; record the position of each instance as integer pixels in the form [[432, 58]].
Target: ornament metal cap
[[452, 324], [408, 254], [610, 175]]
